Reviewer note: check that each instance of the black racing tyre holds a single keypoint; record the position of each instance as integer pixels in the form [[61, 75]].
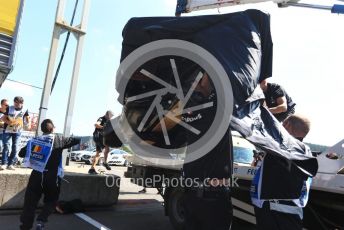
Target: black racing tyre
[[176, 211]]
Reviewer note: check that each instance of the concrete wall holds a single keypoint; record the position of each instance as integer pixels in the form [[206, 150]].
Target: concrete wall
[[93, 190]]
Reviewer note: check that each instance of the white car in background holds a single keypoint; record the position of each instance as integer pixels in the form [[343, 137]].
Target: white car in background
[[88, 157], [118, 157], [115, 157], [78, 155]]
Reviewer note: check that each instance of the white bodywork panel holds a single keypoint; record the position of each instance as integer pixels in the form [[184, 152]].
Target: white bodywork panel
[[332, 166]]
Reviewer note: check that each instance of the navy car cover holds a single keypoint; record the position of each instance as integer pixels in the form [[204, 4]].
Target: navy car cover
[[242, 43]]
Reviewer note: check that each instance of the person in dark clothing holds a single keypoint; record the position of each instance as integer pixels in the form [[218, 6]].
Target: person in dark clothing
[[287, 213], [98, 139], [3, 108], [45, 179], [208, 202], [277, 100]]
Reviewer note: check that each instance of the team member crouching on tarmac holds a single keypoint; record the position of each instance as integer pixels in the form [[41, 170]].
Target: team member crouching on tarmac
[[208, 204], [98, 139], [44, 155], [282, 214]]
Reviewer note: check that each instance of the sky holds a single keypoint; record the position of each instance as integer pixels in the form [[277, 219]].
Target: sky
[[308, 60]]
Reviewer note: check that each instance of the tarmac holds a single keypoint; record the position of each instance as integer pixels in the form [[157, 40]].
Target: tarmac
[[132, 211]]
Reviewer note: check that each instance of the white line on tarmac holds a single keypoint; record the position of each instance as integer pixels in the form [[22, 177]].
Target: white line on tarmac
[[91, 221]]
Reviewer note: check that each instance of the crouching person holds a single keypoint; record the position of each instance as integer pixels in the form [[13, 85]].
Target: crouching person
[[44, 155]]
